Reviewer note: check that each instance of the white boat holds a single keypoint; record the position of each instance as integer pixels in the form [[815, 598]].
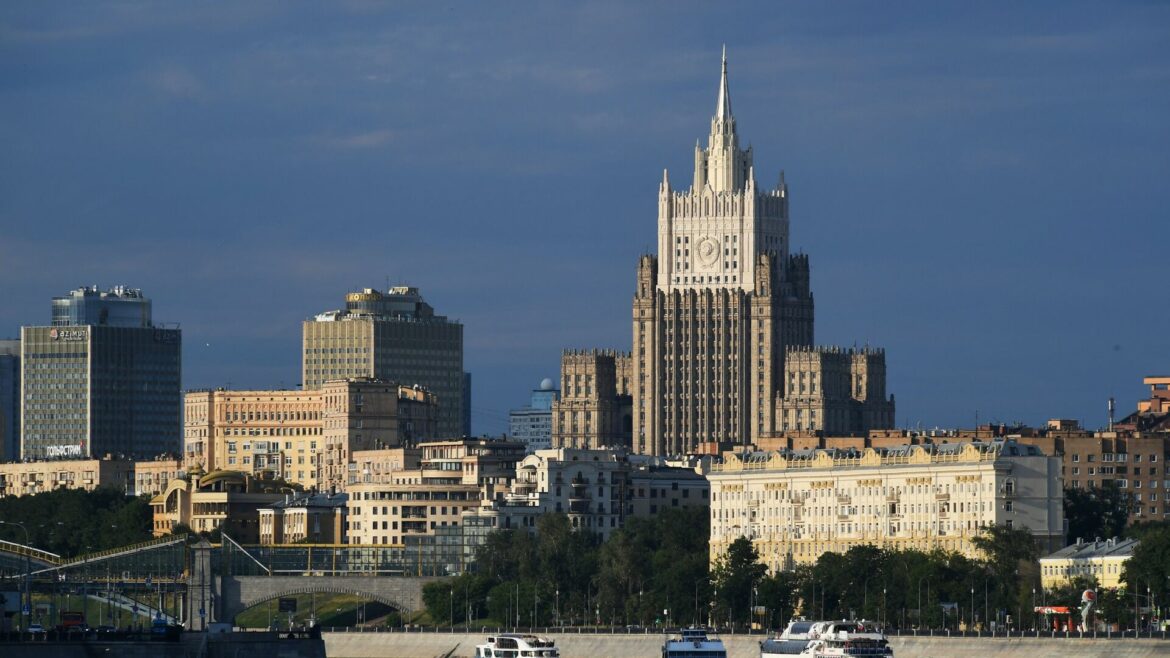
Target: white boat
[[831, 639], [517, 645], [792, 642], [693, 643]]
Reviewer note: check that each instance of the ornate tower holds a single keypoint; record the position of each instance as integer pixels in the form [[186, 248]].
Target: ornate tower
[[716, 310]]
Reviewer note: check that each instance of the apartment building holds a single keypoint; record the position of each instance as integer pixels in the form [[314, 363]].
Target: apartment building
[[1099, 560], [796, 505], [304, 437], [27, 478], [391, 507], [314, 518]]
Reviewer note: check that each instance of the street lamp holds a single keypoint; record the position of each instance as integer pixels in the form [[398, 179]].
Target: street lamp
[[972, 613], [26, 602], [927, 579], [1034, 609]]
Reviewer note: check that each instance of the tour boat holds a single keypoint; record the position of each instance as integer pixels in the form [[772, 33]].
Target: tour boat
[[693, 643], [516, 645], [831, 639], [792, 642]]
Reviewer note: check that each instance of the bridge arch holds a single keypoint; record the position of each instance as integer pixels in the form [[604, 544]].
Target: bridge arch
[[238, 593], [326, 589]]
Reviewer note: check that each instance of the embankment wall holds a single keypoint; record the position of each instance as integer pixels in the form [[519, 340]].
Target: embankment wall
[[572, 645]]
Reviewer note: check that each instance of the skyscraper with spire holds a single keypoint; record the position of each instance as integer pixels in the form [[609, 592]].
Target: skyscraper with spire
[[718, 309]]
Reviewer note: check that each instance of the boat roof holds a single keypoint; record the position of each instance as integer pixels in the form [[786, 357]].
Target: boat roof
[[786, 647]]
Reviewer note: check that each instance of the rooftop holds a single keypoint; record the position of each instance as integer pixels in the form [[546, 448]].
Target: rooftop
[[1083, 550]]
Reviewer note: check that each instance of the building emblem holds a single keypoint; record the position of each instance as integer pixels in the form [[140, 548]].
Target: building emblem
[[708, 251]]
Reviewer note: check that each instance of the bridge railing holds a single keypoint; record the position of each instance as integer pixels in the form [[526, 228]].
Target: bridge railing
[[126, 550], [30, 552], [328, 560]]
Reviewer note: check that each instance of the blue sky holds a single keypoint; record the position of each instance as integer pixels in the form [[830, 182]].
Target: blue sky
[[981, 187]]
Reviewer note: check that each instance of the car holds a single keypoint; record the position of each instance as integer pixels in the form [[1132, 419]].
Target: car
[[36, 629], [106, 630]]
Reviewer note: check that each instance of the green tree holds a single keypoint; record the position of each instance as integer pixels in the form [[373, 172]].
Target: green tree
[[70, 522], [1097, 512], [1149, 567], [735, 576]]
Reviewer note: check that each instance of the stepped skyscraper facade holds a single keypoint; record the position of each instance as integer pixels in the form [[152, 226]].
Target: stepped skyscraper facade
[[718, 311]]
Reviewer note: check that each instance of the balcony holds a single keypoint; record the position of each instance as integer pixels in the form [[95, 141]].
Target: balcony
[[844, 500], [942, 496]]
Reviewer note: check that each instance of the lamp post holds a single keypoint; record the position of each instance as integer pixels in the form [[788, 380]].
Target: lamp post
[[26, 601], [972, 613], [1034, 609], [986, 618], [927, 579]]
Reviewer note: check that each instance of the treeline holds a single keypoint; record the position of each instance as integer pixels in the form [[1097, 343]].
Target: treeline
[[655, 571], [561, 575], [70, 522]]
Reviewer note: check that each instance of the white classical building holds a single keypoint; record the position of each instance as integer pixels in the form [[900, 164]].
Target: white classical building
[[796, 505]]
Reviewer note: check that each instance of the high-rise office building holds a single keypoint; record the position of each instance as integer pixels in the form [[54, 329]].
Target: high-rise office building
[[717, 310], [393, 336], [9, 400], [102, 379]]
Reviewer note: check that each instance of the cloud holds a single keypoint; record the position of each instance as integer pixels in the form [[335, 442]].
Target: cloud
[[177, 82], [365, 140]]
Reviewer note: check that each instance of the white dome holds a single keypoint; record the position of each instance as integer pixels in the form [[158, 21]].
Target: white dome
[[546, 384]]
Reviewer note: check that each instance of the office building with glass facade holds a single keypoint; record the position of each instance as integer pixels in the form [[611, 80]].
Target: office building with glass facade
[[9, 399], [109, 386]]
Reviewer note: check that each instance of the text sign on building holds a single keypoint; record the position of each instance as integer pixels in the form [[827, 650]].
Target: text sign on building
[[63, 451], [69, 335]]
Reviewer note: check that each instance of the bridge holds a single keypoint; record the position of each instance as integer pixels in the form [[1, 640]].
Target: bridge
[[185, 579]]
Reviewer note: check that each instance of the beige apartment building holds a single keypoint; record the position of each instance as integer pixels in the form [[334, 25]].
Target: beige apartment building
[[452, 477], [27, 478], [365, 415], [152, 477], [313, 518], [378, 465], [594, 410], [304, 437], [796, 505], [136, 478]]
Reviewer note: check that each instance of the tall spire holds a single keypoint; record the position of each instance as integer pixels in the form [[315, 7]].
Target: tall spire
[[723, 109]]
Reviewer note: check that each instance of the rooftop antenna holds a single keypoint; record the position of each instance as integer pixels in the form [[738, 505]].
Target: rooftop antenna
[[1111, 407]]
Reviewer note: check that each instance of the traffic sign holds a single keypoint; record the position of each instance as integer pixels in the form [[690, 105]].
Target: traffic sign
[[25, 611]]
